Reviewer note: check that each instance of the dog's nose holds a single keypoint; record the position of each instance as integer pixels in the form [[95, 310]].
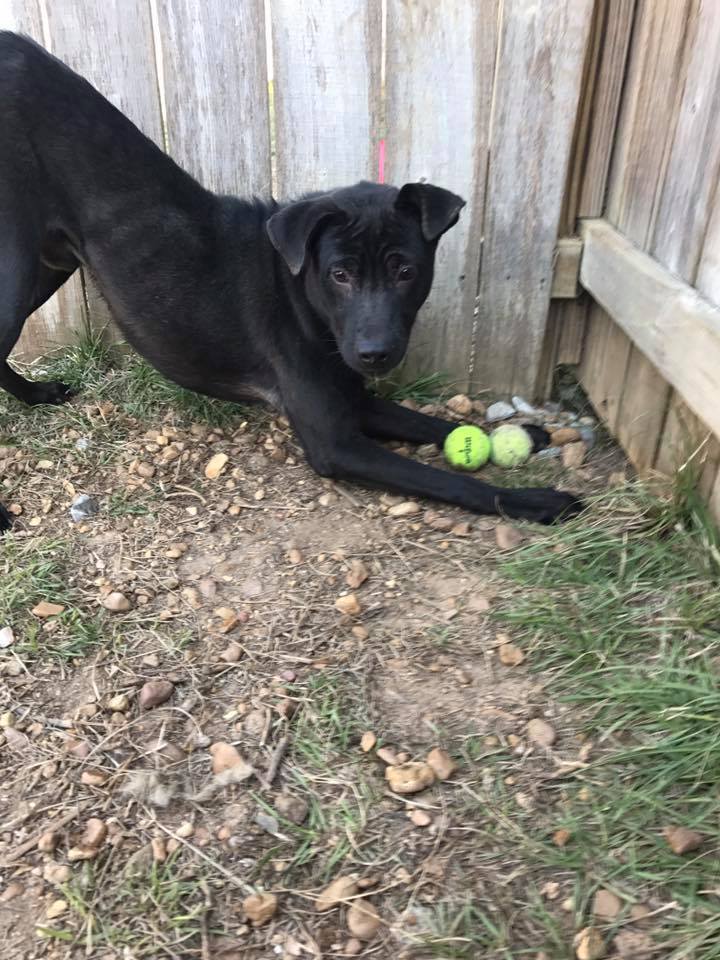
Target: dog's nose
[[372, 356]]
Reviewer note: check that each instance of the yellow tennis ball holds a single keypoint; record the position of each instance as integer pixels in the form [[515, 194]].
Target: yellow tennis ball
[[510, 445], [467, 448]]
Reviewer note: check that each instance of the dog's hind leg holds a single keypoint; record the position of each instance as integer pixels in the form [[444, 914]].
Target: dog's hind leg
[[22, 290]]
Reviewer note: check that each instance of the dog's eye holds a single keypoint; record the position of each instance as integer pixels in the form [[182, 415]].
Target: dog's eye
[[340, 276], [405, 274]]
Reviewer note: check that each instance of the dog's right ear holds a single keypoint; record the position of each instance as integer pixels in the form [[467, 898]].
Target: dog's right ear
[[291, 228]]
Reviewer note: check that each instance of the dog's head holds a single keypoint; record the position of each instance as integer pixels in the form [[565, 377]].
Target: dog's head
[[364, 255]]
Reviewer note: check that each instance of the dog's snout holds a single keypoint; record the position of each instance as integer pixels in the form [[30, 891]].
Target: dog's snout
[[372, 355]]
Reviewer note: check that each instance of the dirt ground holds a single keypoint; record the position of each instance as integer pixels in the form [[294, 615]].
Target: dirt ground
[[131, 830]]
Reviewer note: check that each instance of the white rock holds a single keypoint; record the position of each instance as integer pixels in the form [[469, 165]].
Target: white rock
[[499, 411]]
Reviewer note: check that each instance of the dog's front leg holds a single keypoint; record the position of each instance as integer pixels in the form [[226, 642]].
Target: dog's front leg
[[335, 451], [388, 420]]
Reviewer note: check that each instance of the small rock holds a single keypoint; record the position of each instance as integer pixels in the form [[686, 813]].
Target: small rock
[[267, 822], [45, 609], [151, 660], [438, 522], [541, 733], [232, 653], [363, 920], [353, 947], [367, 741], [57, 873], [119, 703], [116, 602], [635, 945], [215, 466], [260, 907], [348, 604], [56, 909], [573, 455], [507, 537], [159, 849], [561, 837], [337, 892], [48, 841], [606, 905], [11, 891], [441, 763], [460, 404], [550, 890], [140, 862], [558, 438], [90, 842], [185, 830], [589, 945], [409, 777], [83, 507], [510, 655], [461, 529], [145, 470], [327, 499], [294, 809], [408, 508], [252, 588], [387, 755], [225, 757], [420, 818], [359, 632], [522, 406], [154, 693], [588, 437], [639, 912], [7, 720], [7, 638], [93, 778], [681, 840], [356, 575], [294, 556], [499, 411]]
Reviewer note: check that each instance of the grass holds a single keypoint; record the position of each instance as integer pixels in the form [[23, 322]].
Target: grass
[[626, 614], [35, 570]]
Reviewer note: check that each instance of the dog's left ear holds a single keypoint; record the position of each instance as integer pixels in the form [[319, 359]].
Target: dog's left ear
[[437, 208], [291, 228]]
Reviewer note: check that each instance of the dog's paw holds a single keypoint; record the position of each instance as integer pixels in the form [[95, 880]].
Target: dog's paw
[[51, 392], [542, 505], [5, 520]]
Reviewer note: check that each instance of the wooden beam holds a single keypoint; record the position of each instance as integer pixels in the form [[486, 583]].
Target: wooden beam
[[667, 319], [566, 269]]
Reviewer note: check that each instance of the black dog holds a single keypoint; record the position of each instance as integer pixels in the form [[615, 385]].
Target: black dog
[[292, 304]]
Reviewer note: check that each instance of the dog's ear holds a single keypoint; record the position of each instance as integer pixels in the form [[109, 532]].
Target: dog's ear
[[291, 228], [437, 208]]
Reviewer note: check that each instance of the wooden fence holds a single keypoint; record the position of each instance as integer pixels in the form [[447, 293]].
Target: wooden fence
[[643, 190], [476, 95]]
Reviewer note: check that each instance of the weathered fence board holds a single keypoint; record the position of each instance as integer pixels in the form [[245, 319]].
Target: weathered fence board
[[327, 93], [216, 88], [440, 69], [533, 120]]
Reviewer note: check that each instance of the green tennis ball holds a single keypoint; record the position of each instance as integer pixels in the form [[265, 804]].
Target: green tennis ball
[[510, 445], [467, 448]]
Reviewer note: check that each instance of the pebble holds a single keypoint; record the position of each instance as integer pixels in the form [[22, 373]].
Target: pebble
[[589, 945], [541, 733], [83, 507], [387, 755], [499, 411], [561, 837], [267, 822], [510, 655], [681, 840], [353, 947], [420, 818], [460, 404], [294, 809], [154, 693], [337, 892], [522, 406], [215, 466], [367, 741], [145, 470], [232, 653], [7, 638], [441, 763], [185, 830], [573, 455], [119, 703], [408, 508], [409, 777], [56, 909], [90, 842], [348, 604], [606, 905], [226, 757], [588, 437], [363, 919], [564, 435], [507, 537], [93, 778], [549, 453], [48, 841], [356, 575], [260, 907], [57, 872], [11, 891], [46, 609], [116, 602]]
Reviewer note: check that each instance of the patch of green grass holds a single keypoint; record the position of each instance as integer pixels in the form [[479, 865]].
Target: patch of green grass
[[425, 389], [35, 570], [626, 612], [159, 913]]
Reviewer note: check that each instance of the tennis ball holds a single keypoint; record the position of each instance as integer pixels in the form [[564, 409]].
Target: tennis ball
[[510, 445], [467, 448]]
